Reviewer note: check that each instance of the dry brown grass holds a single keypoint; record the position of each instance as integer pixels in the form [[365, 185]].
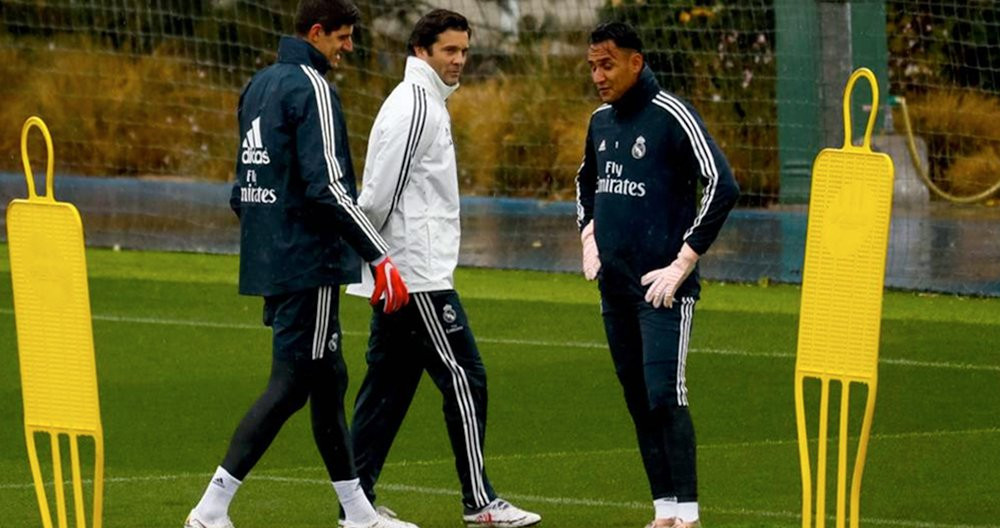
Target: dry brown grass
[[974, 174], [526, 137], [114, 114], [478, 134], [962, 136], [750, 144], [520, 137]]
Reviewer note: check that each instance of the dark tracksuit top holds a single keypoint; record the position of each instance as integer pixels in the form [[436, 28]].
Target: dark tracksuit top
[[639, 180], [295, 191]]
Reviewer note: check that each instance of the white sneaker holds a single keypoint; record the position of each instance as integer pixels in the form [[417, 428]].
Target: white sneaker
[[501, 513], [193, 521], [381, 510], [381, 521]]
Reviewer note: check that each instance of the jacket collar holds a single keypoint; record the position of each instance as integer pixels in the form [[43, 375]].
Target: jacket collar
[[294, 50], [421, 74], [644, 89]]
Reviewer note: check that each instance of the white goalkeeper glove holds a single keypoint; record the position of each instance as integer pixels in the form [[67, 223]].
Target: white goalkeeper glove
[[665, 281], [591, 258]]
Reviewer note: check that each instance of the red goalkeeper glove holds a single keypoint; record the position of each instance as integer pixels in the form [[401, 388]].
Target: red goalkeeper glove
[[388, 284]]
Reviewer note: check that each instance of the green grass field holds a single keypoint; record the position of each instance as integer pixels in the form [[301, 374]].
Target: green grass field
[[181, 356]]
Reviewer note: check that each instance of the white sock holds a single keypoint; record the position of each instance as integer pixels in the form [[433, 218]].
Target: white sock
[[687, 511], [214, 504], [355, 503], [666, 508]]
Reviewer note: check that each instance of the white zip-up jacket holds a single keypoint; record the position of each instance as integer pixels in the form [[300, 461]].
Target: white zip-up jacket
[[410, 186]]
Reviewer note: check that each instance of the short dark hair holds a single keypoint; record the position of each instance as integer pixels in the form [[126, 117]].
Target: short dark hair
[[331, 14], [426, 32], [621, 33]]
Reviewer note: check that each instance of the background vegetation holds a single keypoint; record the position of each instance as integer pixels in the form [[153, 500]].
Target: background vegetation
[[944, 57], [148, 89]]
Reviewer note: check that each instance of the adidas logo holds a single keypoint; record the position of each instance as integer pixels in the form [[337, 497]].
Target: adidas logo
[[254, 152], [219, 482]]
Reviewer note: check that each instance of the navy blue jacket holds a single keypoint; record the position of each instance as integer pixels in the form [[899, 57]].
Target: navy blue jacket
[[645, 156], [295, 191]]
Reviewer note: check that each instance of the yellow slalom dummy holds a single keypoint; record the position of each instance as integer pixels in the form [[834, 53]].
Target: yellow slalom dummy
[[54, 337], [848, 233]]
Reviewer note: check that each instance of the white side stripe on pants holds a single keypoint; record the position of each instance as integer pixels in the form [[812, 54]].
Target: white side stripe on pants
[[322, 320], [687, 313], [462, 393]]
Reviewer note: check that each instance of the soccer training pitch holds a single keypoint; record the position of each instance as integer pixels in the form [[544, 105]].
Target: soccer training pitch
[[181, 357]]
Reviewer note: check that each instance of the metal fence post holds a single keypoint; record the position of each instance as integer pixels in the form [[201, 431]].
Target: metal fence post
[[797, 33]]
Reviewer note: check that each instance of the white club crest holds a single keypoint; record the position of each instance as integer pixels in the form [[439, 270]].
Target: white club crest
[[639, 149], [448, 314]]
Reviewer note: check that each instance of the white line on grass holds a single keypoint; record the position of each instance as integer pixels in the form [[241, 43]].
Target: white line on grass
[[542, 343], [601, 452], [722, 446], [561, 501]]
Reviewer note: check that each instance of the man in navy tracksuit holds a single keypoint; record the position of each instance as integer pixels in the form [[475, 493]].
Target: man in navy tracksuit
[[643, 230], [301, 236]]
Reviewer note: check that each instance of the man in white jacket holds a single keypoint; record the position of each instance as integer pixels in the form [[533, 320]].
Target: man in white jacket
[[410, 194]]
